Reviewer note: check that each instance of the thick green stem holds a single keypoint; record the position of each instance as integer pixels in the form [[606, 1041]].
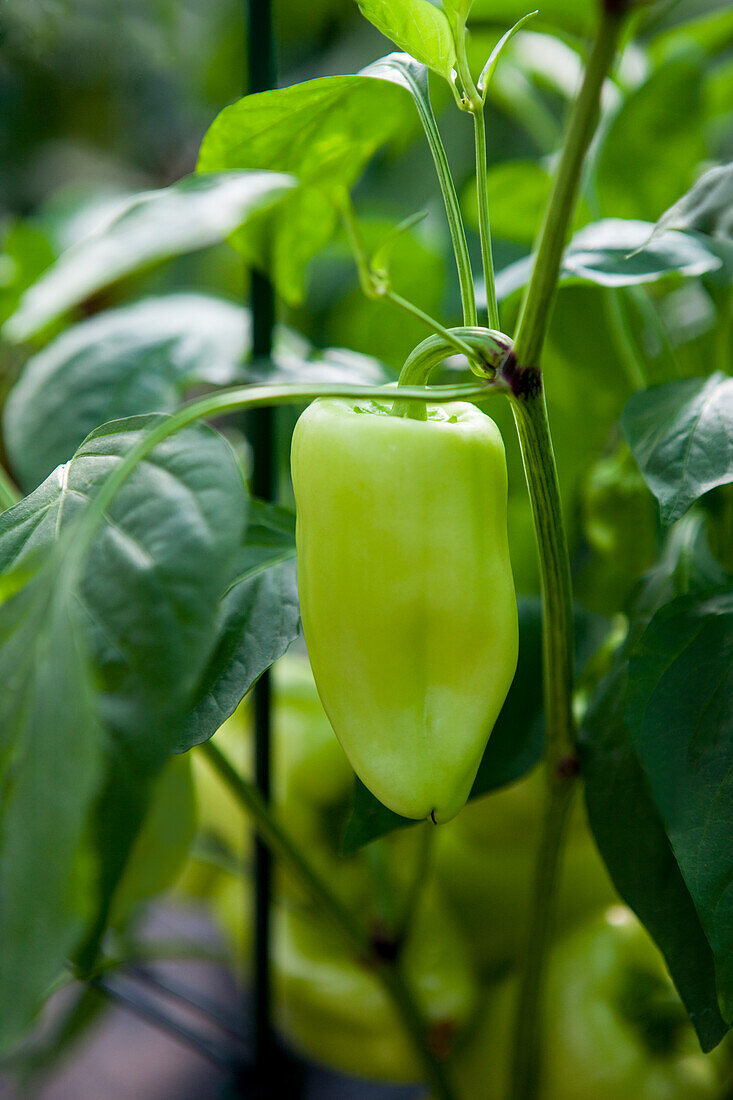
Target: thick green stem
[[479, 126], [530, 414], [540, 294], [349, 926], [560, 761]]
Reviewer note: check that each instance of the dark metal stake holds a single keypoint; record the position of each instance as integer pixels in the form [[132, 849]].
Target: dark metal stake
[[261, 57]]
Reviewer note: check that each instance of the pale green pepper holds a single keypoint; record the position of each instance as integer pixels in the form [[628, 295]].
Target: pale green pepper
[[406, 591]]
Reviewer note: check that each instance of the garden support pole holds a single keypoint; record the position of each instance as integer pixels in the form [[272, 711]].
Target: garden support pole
[[261, 65]]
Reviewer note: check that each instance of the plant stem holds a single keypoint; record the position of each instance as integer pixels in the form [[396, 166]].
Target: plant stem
[[560, 762], [450, 198], [479, 129], [349, 926], [540, 294], [456, 342], [490, 348], [522, 371], [9, 495], [630, 356], [375, 286]]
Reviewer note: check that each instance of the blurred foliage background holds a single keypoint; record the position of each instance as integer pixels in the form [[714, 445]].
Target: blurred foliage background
[[102, 98]]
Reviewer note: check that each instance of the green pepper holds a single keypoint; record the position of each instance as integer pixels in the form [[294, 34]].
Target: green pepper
[[406, 591]]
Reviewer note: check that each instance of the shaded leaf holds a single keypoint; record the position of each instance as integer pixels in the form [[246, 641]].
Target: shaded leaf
[[637, 853], [153, 225], [678, 707], [706, 208], [153, 579], [625, 822], [616, 253], [260, 618], [50, 747], [681, 435]]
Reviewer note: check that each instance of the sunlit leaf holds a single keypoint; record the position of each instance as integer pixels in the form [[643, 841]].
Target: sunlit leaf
[[418, 27], [323, 132], [153, 225]]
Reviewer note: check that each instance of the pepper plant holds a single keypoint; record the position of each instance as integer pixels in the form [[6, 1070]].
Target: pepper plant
[[143, 591]]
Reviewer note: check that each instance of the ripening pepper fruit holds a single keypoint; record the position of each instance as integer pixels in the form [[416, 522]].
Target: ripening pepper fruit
[[406, 591]]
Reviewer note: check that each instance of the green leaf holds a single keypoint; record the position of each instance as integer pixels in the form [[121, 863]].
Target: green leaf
[[323, 132], [707, 207], [417, 27], [636, 851], [154, 225], [50, 747], [260, 618], [165, 555], [678, 708], [517, 739], [626, 825], [617, 252], [653, 146], [681, 435], [141, 358]]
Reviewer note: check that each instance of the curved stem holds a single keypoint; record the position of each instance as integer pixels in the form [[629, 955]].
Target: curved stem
[[491, 348], [447, 334], [349, 926]]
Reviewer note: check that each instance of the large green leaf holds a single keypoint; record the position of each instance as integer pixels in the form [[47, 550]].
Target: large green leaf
[[678, 711], [626, 824], [417, 27], [153, 225], [141, 358], [50, 748], [637, 853], [167, 552], [260, 618], [323, 132], [681, 435], [617, 252]]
